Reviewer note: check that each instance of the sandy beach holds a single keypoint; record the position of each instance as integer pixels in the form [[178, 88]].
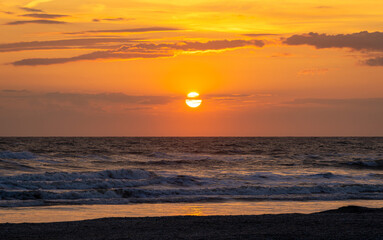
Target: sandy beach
[[344, 223]]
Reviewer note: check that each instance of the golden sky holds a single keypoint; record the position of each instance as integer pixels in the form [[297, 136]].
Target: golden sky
[[124, 68]]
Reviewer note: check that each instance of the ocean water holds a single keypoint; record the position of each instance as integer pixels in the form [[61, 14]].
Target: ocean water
[[133, 171]]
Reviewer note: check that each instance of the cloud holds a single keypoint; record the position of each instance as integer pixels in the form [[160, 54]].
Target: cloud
[[236, 100], [357, 41], [63, 113], [197, 46], [313, 71], [362, 41], [378, 102], [378, 61], [323, 7], [36, 2], [28, 9], [144, 50], [113, 19], [227, 97], [83, 98], [129, 30], [7, 12], [260, 34], [36, 22], [44, 15], [281, 55], [66, 105], [64, 44], [90, 56]]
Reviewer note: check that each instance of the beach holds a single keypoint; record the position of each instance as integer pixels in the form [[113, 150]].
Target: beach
[[343, 223]]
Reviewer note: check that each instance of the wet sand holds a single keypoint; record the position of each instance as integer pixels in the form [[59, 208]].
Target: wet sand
[[344, 223]]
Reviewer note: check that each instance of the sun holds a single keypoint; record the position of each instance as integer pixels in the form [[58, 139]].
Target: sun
[[191, 101], [193, 94]]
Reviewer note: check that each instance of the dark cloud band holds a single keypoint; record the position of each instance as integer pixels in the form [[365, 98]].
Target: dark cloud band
[[144, 50], [44, 15], [362, 41], [41, 21], [64, 44], [358, 41], [374, 62], [90, 56]]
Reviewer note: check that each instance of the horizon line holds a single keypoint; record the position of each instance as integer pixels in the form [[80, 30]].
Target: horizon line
[[210, 136]]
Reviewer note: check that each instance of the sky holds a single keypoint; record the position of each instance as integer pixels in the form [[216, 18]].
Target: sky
[[124, 68]]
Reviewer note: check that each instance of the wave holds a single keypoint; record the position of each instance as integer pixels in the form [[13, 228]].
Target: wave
[[159, 155], [11, 165], [268, 176], [16, 155], [178, 156], [107, 179], [136, 195], [178, 162], [231, 152], [370, 164], [123, 186], [72, 176]]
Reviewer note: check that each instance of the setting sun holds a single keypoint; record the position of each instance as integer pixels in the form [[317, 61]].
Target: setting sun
[[191, 101], [193, 94]]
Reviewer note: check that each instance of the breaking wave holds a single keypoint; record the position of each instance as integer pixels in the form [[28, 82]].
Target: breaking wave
[[371, 164], [124, 186]]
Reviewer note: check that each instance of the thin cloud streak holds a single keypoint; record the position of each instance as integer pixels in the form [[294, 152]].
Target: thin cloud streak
[[313, 71], [35, 22], [37, 2], [112, 19], [260, 34], [129, 30], [333, 101], [8, 12], [28, 9], [44, 15]]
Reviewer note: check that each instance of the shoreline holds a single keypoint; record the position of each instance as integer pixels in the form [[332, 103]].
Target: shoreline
[[351, 222], [66, 213]]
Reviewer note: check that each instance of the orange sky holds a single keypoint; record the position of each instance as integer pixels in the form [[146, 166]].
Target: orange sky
[[123, 68]]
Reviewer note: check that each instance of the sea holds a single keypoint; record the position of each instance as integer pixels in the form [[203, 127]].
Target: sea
[[41, 172]]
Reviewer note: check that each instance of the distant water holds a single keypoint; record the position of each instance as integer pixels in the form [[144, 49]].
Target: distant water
[[54, 171]]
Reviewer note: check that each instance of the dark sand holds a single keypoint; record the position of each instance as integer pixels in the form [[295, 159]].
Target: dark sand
[[344, 223]]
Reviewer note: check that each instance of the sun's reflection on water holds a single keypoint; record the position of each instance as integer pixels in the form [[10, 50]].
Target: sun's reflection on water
[[82, 212]]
